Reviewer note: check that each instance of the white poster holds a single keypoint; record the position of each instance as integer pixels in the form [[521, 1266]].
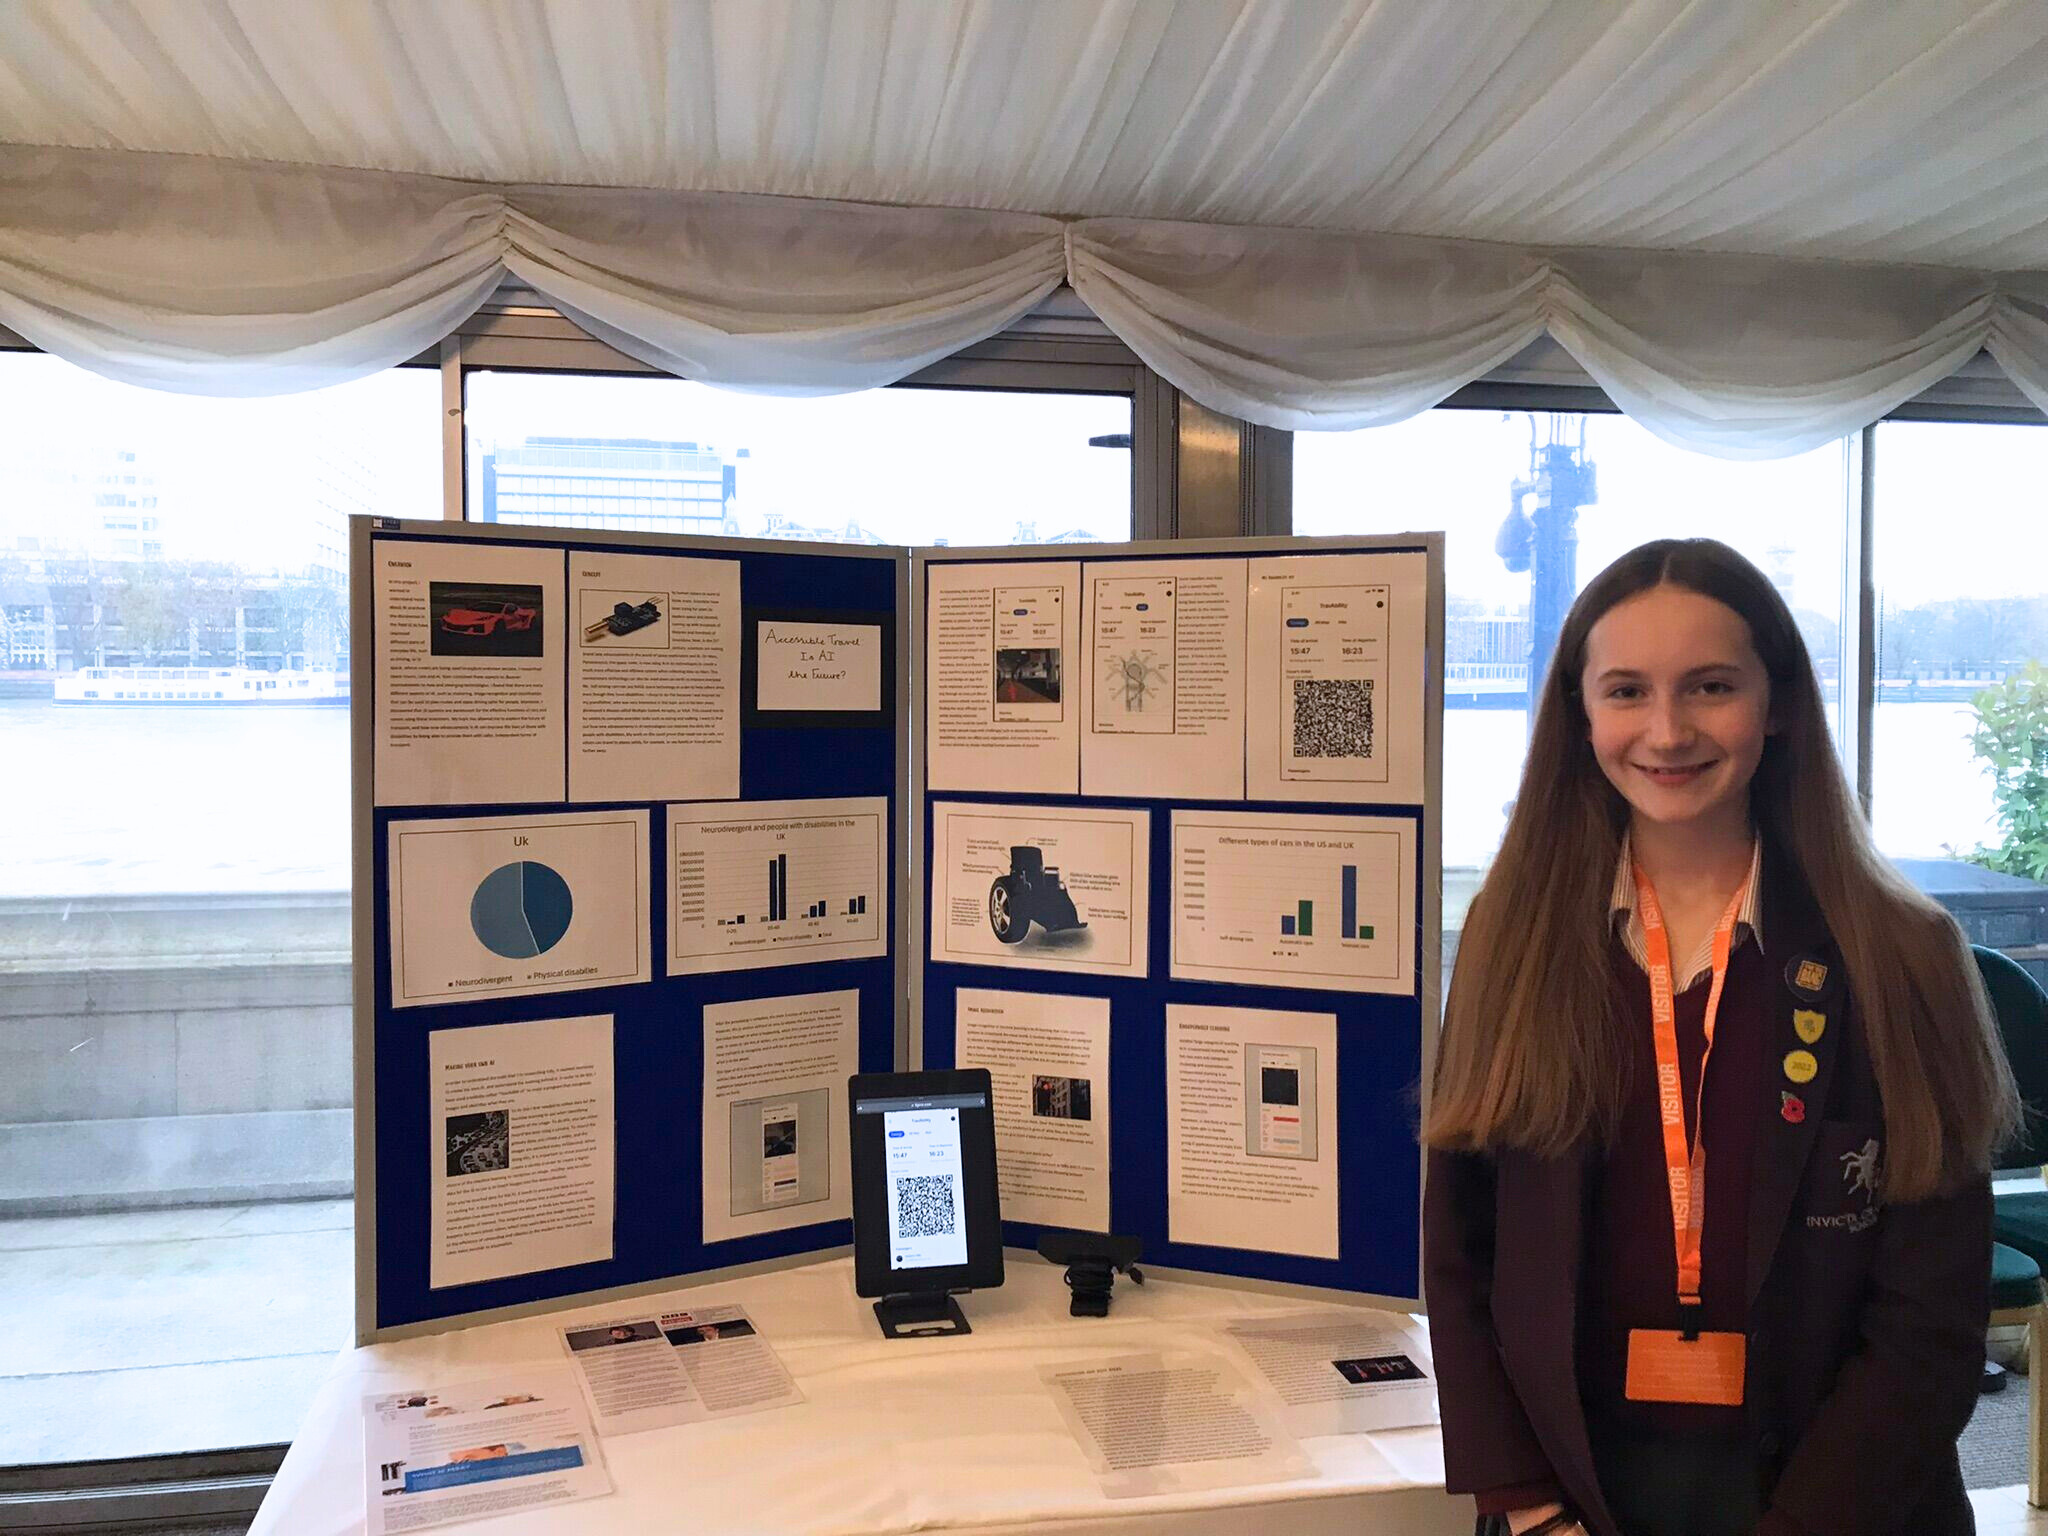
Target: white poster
[[469, 698], [1272, 900], [829, 668], [1171, 1423], [1002, 709], [1163, 679], [1042, 887], [1337, 664], [522, 1137], [777, 882], [1251, 1129], [478, 1449], [654, 677], [505, 906], [1342, 1372], [1047, 1055], [774, 1122]]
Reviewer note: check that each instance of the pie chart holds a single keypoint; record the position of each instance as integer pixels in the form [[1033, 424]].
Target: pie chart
[[521, 910]]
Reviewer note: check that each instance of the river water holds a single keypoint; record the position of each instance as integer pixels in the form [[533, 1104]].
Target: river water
[[256, 798]]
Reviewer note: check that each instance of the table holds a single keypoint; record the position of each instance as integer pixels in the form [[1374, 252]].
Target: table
[[894, 1436]]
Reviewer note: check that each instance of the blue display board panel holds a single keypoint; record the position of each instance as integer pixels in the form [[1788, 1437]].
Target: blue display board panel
[[1379, 1048], [658, 1050]]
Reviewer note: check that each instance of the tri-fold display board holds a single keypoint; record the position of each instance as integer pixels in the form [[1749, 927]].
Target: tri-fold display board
[[659, 839]]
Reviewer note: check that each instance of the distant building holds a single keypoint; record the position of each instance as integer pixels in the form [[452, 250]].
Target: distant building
[[1026, 532], [627, 484], [25, 631], [1487, 639], [251, 559], [777, 526], [101, 503]]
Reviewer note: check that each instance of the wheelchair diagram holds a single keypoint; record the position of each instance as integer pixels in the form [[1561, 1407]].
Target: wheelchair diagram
[[1030, 893]]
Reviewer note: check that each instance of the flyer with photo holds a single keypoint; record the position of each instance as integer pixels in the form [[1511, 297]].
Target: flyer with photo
[[477, 1450], [645, 1370]]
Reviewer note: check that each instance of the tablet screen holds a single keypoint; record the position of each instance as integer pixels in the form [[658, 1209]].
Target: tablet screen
[[922, 1148], [925, 1214]]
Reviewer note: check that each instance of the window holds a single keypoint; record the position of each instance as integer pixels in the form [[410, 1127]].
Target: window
[[1521, 496], [165, 1132], [887, 466], [1962, 606]]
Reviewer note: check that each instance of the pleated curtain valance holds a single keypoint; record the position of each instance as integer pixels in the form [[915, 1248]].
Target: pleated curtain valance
[[228, 277]]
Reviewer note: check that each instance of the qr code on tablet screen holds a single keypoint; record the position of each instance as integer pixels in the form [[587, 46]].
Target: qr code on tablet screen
[[1333, 717], [924, 1205]]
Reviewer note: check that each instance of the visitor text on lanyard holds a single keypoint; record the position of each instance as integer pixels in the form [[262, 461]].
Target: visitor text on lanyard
[[1684, 1365]]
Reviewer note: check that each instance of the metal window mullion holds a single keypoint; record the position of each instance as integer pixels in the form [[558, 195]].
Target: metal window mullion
[[1209, 498], [1861, 559], [97, 1508], [453, 448], [1268, 482], [1155, 448]]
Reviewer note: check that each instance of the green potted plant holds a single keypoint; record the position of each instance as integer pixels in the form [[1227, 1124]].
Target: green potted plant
[[2011, 739]]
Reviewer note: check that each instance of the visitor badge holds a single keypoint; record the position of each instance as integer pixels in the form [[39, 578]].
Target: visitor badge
[[1667, 1367]]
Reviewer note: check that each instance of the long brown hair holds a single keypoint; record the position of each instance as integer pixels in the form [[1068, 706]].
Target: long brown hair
[[1531, 1054]]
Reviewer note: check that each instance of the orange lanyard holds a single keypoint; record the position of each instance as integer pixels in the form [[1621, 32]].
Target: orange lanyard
[[1685, 1166]]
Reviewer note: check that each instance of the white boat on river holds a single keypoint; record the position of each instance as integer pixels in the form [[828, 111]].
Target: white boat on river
[[200, 685]]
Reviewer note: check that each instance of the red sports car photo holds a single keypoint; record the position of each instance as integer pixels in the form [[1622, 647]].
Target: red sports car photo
[[485, 618]]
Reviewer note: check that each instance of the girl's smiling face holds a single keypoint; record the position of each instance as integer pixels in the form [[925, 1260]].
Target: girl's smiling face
[[1678, 705]]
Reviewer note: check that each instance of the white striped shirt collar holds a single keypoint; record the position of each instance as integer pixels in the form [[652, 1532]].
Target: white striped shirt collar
[[1622, 905]]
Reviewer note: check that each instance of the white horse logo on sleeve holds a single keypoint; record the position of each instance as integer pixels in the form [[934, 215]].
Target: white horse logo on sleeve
[[1859, 1170]]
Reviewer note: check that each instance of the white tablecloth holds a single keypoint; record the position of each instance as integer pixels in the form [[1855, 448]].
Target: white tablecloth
[[894, 1436]]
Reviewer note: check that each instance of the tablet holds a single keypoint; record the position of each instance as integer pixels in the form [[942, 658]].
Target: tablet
[[925, 1215]]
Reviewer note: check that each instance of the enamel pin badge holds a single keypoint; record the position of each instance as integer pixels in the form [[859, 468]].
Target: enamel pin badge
[[1791, 1107], [1801, 1066], [1808, 977], [1809, 1024]]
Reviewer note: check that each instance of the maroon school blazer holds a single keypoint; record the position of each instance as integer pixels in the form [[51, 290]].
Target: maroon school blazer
[[1866, 1336]]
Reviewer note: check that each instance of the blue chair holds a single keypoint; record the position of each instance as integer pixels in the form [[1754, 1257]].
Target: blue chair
[[2020, 1217]]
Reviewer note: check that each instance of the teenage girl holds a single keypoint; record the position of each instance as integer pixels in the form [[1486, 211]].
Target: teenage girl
[[1707, 1236]]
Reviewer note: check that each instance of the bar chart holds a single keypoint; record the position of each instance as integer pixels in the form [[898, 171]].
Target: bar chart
[[1310, 901], [1298, 919], [776, 883], [777, 905]]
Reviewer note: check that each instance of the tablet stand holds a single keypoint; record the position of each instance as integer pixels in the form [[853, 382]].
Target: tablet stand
[[920, 1315]]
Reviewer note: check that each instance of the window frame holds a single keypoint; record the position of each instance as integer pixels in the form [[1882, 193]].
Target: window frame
[[196, 1486], [1057, 349], [1195, 473], [1543, 377]]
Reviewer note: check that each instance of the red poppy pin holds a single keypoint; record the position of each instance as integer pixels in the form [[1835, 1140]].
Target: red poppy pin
[[1792, 1107]]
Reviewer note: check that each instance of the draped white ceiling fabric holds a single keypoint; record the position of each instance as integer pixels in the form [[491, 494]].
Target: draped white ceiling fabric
[[1757, 225]]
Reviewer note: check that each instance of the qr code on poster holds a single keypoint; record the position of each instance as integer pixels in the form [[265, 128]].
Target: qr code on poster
[[924, 1205], [1333, 717]]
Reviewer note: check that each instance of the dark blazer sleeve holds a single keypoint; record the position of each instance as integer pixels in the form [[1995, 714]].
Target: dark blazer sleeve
[[1487, 1439], [1908, 1389]]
